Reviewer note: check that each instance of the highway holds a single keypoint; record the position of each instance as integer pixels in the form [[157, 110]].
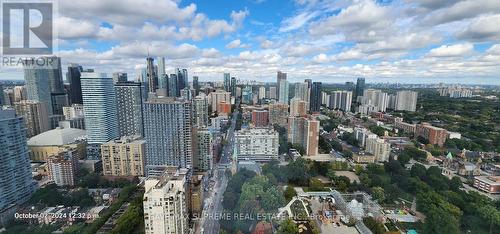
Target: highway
[[212, 210]]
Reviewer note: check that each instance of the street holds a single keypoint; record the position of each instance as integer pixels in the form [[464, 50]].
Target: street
[[212, 209]]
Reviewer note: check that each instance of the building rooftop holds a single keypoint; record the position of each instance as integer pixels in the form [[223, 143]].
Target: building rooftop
[[58, 136]]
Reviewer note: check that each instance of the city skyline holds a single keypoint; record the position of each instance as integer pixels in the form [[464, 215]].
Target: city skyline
[[384, 41]]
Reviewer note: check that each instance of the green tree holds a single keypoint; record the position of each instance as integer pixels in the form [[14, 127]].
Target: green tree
[[439, 221], [378, 194], [491, 214], [289, 193], [287, 226]]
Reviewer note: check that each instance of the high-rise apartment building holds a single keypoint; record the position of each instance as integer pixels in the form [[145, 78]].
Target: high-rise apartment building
[[227, 82], [341, 100], [233, 86], [129, 105], [63, 167], [298, 107], [260, 118], [272, 93], [173, 86], [379, 148], [203, 155], [362, 135], [262, 92], [166, 202], [360, 87], [16, 183], [124, 156], [305, 132], [196, 85], [256, 144], [162, 82], [283, 89], [99, 106], [200, 110], [302, 91], [36, 116], [20, 93], [168, 133], [278, 114], [406, 100], [315, 101], [217, 97], [73, 77], [281, 76], [376, 98]]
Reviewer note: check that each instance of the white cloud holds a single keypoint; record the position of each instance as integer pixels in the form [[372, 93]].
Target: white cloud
[[362, 15], [236, 44], [456, 50], [482, 28], [297, 21], [462, 10], [128, 12]]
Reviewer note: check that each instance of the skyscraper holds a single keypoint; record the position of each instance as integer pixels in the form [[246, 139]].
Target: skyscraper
[[38, 84], [151, 75], [283, 91], [162, 83], [203, 160], [360, 87], [298, 107], [305, 132], [315, 101], [279, 77], [54, 71], [376, 98], [99, 106], [119, 77], [168, 133], [302, 91], [36, 116], [129, 104], [16, 183], [341, 100], [73, 76], [196, 85], [227, 82], [182, 78], [200, 110], [233, 86], [173, 86], [406, 100]]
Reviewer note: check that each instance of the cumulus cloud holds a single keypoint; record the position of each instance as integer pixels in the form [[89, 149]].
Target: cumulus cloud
[[483, 28], [456, 50], [236, 44], [462, 10]]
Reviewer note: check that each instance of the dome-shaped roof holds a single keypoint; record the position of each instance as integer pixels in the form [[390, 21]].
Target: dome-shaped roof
[[58, 136]]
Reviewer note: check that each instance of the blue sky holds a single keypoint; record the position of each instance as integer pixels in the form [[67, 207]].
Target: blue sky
[[405, 41]]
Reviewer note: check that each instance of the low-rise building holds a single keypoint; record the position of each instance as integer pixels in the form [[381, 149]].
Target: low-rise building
[[488, 184], [435, 135], [52, 142]]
